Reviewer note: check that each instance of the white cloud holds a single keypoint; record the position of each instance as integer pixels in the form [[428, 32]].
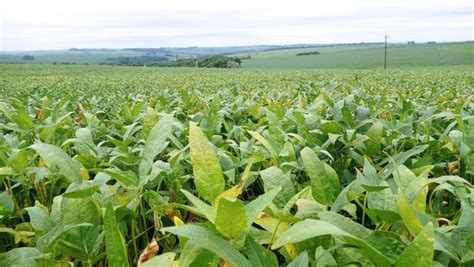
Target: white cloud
[[53, 24]]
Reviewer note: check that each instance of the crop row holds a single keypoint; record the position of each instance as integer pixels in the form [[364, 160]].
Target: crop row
[[240, 169]]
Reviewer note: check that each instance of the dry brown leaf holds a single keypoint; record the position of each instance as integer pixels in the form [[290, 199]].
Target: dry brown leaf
[[149, 251]]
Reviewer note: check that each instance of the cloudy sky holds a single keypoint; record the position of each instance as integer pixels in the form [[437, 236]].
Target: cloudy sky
[[61, 24]]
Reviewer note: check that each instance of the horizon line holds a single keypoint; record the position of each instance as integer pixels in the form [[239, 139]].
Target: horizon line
[[249, 45]]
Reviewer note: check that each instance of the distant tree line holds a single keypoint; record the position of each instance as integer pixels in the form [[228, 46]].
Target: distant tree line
[[283, 47], [28, 57], [68, 63], [89, 50], [161, 61], [308, 53], [150, 51], [209, 62], [136, 61]]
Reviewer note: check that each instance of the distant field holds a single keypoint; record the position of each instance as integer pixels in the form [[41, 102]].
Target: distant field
[[96, 56], [366, 56], [67, 56], [341, 56]]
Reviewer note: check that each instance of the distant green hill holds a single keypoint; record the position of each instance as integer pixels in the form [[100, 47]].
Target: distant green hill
[[97, 56], [366, 56], [274, 56]]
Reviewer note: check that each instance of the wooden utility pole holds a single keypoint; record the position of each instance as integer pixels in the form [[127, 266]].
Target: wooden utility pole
[[385, 57]]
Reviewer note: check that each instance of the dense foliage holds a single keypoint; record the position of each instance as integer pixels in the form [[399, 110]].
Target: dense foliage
[[137, 61], [114, 165], [28, 57], [308, 53], [206, 62], [162, 61]]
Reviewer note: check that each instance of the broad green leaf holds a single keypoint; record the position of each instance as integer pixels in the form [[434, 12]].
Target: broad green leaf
[[291, 203], [205, 258], [39, 218], [408, 214], [301, 261], [85, 134], [385, 242], [273, 177], [114, 242], [21, 117], [310, 228], [258, 255], [48, 241], [453, 242], [420, 251], [82, 244], [256, 206], [346, 115], [154, 145], [190, 253], [87, 207], [20, 257], [205, 209], [57, 160], [208, 176], [399, 159], [306, 229], [6, 205], [330, 127], [308, 206], [470, 242], [266, 144], [127, 178], [162, 260], [81, 190], [210, 241], [349, 193], [374, 143], [382, 248], [382, 200], [85, 141], [231, 219], [467, 214], [325, 183], [447, 178], [323, 257], [19, 161], [403, 177], [412, 186]]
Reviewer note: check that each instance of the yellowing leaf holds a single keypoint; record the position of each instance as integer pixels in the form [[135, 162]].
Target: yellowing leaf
[[177, 221], [231, 219], [208, 176], [408, 214], [114, 242], [420, 251]]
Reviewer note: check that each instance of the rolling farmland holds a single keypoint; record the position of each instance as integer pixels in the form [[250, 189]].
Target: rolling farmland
[[367, 56]]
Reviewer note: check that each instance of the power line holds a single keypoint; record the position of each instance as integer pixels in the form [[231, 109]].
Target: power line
[[385, 57]]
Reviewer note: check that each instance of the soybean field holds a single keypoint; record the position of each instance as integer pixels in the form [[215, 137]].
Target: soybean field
[[136, 166]]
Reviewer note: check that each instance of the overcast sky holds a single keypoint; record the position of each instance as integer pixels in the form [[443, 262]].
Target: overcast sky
[[62, 24]]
